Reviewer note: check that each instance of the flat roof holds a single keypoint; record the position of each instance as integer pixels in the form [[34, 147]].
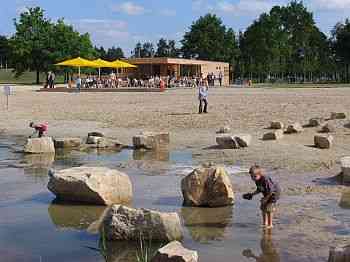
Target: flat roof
[[168, 60]]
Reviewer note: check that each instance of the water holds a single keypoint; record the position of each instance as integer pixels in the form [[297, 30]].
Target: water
[[34, 227]]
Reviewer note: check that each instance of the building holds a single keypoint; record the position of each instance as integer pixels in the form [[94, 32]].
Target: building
[[178, 67]]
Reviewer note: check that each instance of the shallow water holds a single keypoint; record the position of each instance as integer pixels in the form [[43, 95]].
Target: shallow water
[[33, 227]]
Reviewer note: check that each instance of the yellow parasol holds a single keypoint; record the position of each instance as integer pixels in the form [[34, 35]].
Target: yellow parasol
[[102, 63], [122, 64], [78, 62]]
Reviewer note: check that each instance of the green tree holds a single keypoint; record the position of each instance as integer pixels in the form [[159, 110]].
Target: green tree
[[167, 48], [209, 39], [114, 53], [5, 51], [31, 43], [341, 44]]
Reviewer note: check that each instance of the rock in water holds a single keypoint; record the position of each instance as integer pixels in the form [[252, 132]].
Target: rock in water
[[323, 142], [233, 141], [93, 185], [314, 122], [151, 141], [339, 254], [328, 128], [207, 187], [277, 125], [67, 142], [39, 145], [294, 128], [175, 252], [276, 135], [243, 140], [125, 223], [345, 168], [227, 142], [335, 115], [224, 130]]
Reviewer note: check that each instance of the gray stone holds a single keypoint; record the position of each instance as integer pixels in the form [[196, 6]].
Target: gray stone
[[39, 145], [314, 122], [102, 142], [277, 125], [339, 254], [345, 168], [224, 130], [151, 141], [294, 128], [328, 128], [125, 223], [276, 135], [335, 115], [243, 140], [175, 252], [207, 187], [67, 142], [227, 142], [93, 185], [323, 142], [98, 134]]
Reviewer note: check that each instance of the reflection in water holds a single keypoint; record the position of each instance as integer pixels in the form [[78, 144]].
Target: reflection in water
[[77, 217], [207, 224], [37, 165], [268, 249], [149, 155], [345, 200]]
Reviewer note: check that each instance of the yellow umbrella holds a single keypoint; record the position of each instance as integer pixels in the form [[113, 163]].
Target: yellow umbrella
[[102, 63], [78, 62], [122, 64]]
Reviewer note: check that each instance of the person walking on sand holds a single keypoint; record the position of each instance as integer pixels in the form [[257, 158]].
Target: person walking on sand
[[271, 193], [39, 129], [203, 96]]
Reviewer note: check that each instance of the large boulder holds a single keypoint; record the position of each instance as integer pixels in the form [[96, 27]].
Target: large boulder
[[345, 168], [276, 125], [67, 142], [233, 141], [275, 135], [335, 115], [175, 252], [339, 254], [328, 128], [98, 134], [323, 142], [207, 187], [102, 142], [39, 145], [125, 223], [294, 128], [151, 141], [93, 185]]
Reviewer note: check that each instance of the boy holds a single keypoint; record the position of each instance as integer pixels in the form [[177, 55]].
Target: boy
[[39, 128], [203, 97], [270, 190]]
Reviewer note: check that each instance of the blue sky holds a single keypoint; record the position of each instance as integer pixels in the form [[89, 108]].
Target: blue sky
[[123, 23]]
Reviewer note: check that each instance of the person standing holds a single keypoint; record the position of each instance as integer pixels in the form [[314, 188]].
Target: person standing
[[203, 97], [52, 80], [220, 78], [78, 83]]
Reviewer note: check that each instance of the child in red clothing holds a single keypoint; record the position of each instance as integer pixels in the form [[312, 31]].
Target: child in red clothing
[[39, 129]]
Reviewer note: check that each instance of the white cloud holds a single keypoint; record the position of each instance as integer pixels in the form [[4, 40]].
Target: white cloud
[[331, 5], [244, 6], [129, 8], [103, 31]]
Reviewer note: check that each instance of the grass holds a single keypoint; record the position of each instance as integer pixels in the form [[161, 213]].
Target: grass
[[146, 250], [27, 78]]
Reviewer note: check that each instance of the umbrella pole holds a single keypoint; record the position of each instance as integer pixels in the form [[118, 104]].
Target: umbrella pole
[[79, 71], [99, 72]]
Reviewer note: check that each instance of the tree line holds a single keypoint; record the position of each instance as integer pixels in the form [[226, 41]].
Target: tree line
[[283, 45]]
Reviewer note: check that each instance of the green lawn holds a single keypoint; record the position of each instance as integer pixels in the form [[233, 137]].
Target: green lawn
[[28, 78]]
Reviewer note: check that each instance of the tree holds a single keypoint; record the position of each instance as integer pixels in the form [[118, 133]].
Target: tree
[[166, 48], [209, 39], [341, 44], [31, 44], [5, 51], [114, 53], [147, 50], [39, 43], [137, 52]]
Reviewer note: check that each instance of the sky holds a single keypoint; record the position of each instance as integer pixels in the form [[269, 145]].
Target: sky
[[125, 22]]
